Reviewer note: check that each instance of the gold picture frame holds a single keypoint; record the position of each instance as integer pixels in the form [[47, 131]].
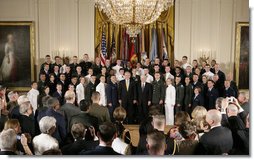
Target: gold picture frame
[[17, 55], [242, 55]]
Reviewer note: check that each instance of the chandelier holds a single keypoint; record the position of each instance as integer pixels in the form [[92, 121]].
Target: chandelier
[[133, 14]]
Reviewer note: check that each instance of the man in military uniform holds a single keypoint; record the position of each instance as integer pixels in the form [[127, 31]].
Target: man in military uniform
[[179, 95], [158, 92]]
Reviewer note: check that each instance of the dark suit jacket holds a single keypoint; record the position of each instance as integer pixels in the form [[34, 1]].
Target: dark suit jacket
[[229, 92], [188, 95], [198, 101], [27, 125], [124, 95], [79, 146], [179, 94], [234, 86], [99, 150], [146, 95], [41, 85], [60, 97], [217, 141], [60, 132], [89, 89], [112, 93], [69, 110], [86, 119], [211, 97]]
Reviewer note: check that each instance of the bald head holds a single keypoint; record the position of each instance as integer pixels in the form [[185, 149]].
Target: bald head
[[232, 110], [213, 117]]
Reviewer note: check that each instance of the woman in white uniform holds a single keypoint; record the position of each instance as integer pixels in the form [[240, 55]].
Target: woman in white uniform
[[170, 102]]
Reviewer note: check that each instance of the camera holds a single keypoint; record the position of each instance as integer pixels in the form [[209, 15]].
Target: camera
[[230, 99], [18, 137]]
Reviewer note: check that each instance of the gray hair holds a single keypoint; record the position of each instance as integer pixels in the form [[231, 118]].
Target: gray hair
[[41, 146], [8, 139], [10, 94], [23, 99], [214, 115], [24, 107], [46, 123]]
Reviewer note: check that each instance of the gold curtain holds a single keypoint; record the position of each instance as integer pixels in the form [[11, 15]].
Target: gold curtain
[[165, 21]]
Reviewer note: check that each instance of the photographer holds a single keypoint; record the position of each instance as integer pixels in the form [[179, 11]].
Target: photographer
[[233, 118]]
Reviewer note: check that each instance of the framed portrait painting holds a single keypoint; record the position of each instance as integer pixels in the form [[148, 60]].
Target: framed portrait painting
[[17, 55], [242, 55]]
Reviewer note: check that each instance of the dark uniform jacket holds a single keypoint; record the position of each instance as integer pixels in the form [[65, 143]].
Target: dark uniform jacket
[[158, 91], [179, 94]]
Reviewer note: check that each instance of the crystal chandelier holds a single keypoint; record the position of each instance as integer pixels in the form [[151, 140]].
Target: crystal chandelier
[[133, 14]]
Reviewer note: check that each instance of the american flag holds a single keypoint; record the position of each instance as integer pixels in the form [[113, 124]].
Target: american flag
[[103, 49], [113, 49]]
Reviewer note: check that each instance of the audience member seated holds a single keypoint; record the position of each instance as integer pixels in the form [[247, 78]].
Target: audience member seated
[[78, 131], [212, 144], [122, 143], [188, 145], [198, 116], [156, 143], [85, 118], [8, 141], [243, 101], [47, 127], [237, 127], [107, 133], [26, 119]]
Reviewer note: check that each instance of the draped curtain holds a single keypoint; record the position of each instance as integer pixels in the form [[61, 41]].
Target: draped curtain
[[142, 42]]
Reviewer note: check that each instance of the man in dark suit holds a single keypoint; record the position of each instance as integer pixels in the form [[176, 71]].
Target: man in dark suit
[[188, 95], [158, 95], [144, 97], [53, 111], [85, 64], [127, 96], [112, 95], [42, 82], [84, 117], [221, 75], [98, 111], [218, 140], [90, 88], [196, 83], [107, 133], [62, 80], [179, 95], [211, 95], [198, 99], [69, 109], [78, 131], [74, 63], [59, 94], [47, 62], [228, 91]]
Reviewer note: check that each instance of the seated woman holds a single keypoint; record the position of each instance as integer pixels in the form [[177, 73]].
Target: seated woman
[[14, 124], [47, 127], [198, 119], [121, 144]]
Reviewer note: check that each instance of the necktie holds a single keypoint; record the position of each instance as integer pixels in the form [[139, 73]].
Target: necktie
[[143, 87], [127, 85]]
